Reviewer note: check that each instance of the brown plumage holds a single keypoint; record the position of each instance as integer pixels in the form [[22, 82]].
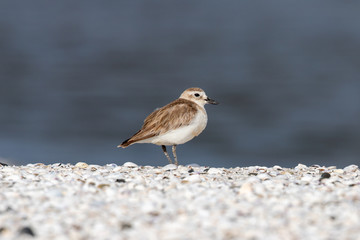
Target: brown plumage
[[174, 115], [176, 123]]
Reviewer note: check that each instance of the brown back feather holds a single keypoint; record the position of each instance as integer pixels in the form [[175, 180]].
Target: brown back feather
[[174, 115]]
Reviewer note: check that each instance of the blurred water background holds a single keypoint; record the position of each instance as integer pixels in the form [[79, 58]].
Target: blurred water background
[[78, 78]]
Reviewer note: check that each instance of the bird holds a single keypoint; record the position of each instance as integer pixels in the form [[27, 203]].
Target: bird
[[175, 123]]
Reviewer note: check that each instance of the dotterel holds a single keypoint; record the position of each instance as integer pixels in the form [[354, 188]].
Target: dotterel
[[176, 123]]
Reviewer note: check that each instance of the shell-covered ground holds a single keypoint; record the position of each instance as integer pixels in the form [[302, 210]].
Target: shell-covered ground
[[64, 201]]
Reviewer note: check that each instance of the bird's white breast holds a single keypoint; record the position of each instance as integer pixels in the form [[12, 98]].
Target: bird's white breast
[[183, 134]]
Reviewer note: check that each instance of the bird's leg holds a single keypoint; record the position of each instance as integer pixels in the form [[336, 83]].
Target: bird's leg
[[166, 154], [174, 153]]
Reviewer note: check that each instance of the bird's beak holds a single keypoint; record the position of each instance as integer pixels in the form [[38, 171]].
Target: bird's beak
[[211, 101]]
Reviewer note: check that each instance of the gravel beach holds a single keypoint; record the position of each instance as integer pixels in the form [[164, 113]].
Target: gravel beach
[[64, 201]]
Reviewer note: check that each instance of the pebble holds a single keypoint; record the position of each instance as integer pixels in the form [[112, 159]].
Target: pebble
[[307, 178], [111, 165], [170, 167], [263, 176], [118, 168], [81, 201], [81, 165], [276, 167], [120, 180], [262, 169], [300, 167], [130, 165], [273, 173], [192, 179], [325, 175], [246, 188], [338, 171], [27, 231], [193, 165], [351, 168], [215, 171], [93, 168]]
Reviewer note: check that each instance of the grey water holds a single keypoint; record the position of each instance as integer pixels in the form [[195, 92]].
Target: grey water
[[78, 77]]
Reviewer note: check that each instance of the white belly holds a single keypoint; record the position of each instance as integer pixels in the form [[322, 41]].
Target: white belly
[[181, 135]]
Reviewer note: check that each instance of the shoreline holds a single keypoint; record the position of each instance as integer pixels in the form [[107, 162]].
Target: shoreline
[[81, 201]]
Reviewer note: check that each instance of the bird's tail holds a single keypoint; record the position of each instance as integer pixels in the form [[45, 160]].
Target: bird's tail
[[129, 141], [125, 143]]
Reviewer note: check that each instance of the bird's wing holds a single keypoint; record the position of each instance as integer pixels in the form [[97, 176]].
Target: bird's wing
[[174, 115]]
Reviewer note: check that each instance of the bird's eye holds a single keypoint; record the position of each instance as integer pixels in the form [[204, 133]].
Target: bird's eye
[[197, 95]]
